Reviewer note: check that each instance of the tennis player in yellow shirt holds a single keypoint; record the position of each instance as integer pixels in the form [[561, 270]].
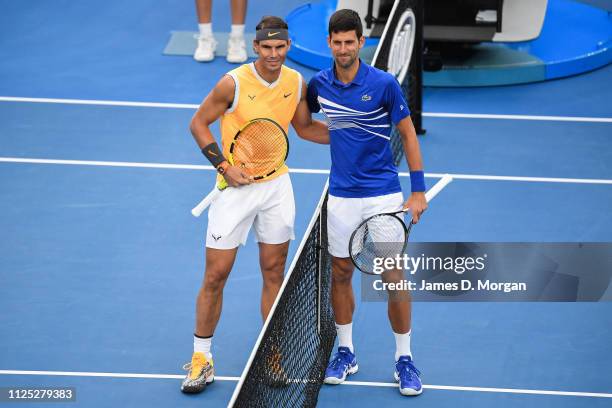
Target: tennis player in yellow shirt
[[261, 89]]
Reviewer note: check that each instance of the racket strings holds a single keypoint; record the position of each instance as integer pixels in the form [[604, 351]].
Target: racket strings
[[382, 236], [260, 148]]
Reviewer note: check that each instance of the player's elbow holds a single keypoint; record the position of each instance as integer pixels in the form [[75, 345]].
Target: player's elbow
[[195, 125], [300, 129]]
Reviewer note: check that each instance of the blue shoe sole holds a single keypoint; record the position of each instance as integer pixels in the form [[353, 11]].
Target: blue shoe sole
[[410, 392]]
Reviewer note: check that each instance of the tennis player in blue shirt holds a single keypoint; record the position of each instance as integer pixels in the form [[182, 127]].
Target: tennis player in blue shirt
[[361, 102]]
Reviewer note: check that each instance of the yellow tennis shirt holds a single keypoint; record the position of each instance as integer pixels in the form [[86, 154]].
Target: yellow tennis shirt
[[255, 98]]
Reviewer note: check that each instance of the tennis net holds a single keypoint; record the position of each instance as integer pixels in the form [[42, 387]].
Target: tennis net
[[287, 365]]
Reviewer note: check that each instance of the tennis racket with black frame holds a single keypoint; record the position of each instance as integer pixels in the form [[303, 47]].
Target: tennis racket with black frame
[[260, 148], [384, 235]]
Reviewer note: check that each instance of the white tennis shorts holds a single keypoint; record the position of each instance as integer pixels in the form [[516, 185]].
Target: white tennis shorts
[[268, 206], [345, 214]]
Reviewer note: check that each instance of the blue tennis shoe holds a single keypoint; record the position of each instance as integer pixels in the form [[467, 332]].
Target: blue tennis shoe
[[343, 363], [408, 376]]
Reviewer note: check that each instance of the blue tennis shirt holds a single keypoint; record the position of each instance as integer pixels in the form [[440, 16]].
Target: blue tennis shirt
[[360, 115]]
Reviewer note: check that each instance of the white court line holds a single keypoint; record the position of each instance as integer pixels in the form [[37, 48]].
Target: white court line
[[134, 164], [516, 117], [195, 106], [353, 383], [106, 163], [296, 170], [110, 375], [99, 102], [486, 389], [517, 178]]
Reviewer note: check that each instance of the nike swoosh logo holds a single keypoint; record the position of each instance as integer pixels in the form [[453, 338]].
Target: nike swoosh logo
[[273, 34], [286, 95], [212, 153]]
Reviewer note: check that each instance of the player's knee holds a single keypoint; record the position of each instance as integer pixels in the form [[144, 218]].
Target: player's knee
[[273, 265], [274, 276], [341, 279], [214, 279], [342, 270]]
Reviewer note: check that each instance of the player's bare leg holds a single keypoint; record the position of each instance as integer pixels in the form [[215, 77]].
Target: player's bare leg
[[219, 263], [343, 298], [343, 362], [272, 259]]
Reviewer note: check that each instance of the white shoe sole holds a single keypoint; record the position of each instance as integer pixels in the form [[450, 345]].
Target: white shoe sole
[[236, 60], [209, 381], [336, 380], [203, 59], [407, 391]]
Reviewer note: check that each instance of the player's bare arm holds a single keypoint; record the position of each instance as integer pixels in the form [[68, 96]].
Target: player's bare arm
[[211, 109], [416, 202], [306, 127]]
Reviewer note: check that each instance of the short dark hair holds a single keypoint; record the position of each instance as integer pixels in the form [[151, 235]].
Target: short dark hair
[[271, 22], [345, 20]]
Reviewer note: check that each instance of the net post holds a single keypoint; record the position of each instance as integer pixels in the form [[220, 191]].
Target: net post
[[419, 47], [412, 82]]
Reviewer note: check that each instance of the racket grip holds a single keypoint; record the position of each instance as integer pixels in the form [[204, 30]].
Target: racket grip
[[429, 195], [203, 205]]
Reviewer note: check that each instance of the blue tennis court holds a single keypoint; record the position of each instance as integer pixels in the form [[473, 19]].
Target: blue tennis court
[[101, 260]]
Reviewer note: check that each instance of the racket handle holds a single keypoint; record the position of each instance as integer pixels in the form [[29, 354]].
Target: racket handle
[[429, 195], [203, 205]]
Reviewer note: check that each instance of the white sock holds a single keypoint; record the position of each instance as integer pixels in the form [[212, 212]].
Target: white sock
[[205, 30], [202, 345], [402, 345], [345, 335], [237, 30]]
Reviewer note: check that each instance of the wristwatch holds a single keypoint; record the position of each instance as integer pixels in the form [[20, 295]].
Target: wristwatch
[[222, 167]]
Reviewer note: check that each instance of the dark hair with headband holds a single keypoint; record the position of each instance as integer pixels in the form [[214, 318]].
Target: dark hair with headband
[[345, 20], [270, 25]]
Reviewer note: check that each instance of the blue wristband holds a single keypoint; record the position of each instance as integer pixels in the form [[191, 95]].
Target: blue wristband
[[417, 181]]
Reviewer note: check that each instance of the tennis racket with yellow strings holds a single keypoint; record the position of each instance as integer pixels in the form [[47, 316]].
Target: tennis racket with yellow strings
[[259, 148]]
